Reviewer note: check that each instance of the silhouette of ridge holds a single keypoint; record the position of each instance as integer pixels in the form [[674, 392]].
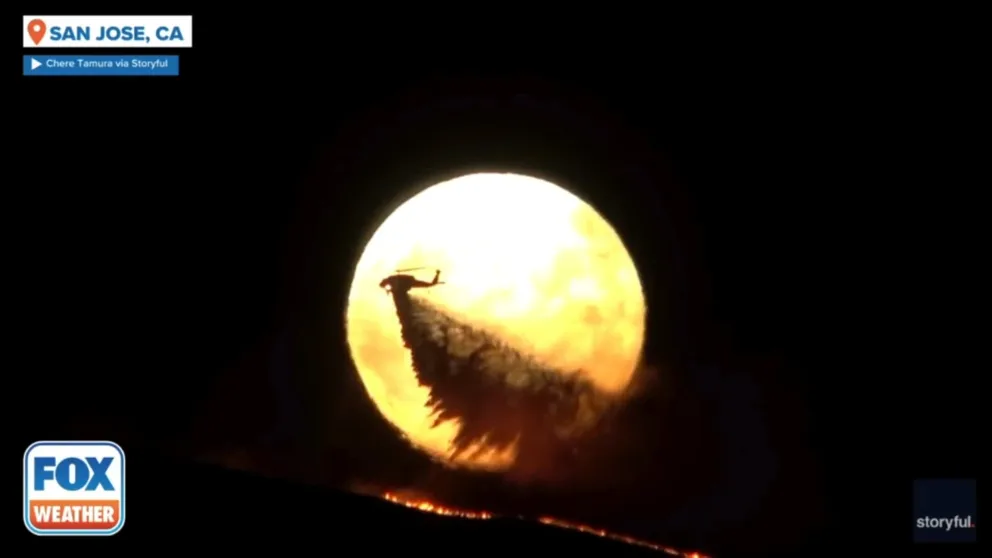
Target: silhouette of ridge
[[251, 508], [499, 395]]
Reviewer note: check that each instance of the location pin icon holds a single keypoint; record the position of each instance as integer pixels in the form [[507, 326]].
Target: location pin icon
[[36, 29]]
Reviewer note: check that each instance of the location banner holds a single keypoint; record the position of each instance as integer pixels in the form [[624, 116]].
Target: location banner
[[108, 31]]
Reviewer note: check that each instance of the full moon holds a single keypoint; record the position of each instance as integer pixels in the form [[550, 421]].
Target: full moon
[[519, 257]]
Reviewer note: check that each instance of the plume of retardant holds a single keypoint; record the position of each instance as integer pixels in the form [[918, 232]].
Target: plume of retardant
[[498, 395]]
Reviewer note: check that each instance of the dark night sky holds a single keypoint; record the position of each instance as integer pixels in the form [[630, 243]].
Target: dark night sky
[[195, 248]]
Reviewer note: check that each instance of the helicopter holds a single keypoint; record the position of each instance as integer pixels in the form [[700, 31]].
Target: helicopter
[[402, 281]]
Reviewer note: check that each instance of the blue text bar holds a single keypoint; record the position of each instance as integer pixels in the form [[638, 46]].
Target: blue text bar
[[100, 65]]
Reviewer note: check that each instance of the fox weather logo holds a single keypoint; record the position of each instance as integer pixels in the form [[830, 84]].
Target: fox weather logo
[[74, 488]]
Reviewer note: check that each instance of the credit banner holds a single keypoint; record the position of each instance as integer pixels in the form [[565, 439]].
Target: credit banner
[[101, 65]]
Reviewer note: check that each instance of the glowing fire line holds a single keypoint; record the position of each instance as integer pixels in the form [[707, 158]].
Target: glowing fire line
[[426, 506], [430, 507]]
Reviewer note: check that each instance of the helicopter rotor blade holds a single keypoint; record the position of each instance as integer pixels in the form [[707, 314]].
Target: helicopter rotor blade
[[410, 269]]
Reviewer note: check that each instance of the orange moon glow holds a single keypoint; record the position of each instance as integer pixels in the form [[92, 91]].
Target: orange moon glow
[[519, 257]]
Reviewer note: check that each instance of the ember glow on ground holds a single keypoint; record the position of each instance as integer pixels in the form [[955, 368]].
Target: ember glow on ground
[[431, 507]]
